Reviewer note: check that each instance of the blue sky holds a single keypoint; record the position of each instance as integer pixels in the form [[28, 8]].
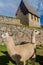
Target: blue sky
[[9, 7]]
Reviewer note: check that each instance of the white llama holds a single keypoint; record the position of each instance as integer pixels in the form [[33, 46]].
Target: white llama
[[20, 53]]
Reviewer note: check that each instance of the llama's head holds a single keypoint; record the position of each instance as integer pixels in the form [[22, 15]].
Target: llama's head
[[36, 32], [4, 35]]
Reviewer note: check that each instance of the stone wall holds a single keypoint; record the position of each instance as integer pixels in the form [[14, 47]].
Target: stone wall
[[10, 20], [33, 22], [20, 33], [23, 18]]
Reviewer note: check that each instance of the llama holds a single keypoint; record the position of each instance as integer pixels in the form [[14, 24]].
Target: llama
[[20, 53]]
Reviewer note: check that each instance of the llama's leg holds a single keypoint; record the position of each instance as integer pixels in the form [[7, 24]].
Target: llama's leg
[[34, 57], [24, 63], [17, 64], [21, 63], [33, 61]]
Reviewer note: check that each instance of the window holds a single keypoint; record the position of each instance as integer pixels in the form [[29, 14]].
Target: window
[[35, 17], [31, 16]]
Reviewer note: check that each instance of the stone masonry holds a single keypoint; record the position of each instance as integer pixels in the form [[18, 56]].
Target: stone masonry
[[20, 33], [10, 20]]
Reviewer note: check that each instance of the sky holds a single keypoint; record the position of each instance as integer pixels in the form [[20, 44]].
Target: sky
[[9, 7]]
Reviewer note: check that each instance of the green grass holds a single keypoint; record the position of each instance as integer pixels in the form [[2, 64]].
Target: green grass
[[6, 60]]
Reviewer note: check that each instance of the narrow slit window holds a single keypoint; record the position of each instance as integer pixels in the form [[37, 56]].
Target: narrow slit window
[[35, 17], [31, 16], [38, 19]]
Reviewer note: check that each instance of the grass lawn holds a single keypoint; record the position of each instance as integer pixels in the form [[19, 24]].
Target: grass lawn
[[6, 60]]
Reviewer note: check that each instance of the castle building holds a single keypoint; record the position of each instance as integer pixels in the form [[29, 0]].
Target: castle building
[[28, 15]]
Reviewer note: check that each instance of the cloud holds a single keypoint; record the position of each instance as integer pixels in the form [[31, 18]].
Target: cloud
[[33, 3], [40, 7], [9, 7], [1, 4]]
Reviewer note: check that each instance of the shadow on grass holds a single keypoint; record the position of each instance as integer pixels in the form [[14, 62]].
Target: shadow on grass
[[39, 59], [4, 59]]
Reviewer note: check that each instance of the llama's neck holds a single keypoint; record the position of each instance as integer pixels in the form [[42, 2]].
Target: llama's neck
[[11, 48], [9, 41], [33, 37]]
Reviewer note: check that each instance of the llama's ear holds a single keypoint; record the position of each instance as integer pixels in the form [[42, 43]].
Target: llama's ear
[[33, 29], [3, 36], [7, 34]]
